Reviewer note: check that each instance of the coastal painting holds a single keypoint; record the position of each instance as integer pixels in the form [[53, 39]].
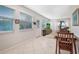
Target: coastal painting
[[25, 21], [6, 18]]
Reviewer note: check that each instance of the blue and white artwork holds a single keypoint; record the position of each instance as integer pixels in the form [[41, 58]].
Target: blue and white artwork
[[6, 18], [6, 24], [6, 12], [75, 19], [25, 21]]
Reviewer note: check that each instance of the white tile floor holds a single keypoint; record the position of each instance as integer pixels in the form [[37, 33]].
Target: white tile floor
[[40, 45]]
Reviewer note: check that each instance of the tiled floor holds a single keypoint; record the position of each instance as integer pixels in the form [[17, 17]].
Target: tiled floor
[[40, 45]]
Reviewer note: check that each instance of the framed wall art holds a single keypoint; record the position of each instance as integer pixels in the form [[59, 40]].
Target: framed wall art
[[25, 21], [6, 18], [75, 17]]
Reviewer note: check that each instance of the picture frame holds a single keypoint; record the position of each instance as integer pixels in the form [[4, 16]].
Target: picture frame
[[17, 21], [75, 17], [34, 23], [25, 21], [6, 19]]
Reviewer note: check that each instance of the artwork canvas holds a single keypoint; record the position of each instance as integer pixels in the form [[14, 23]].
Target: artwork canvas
[[6, 24], [7, 12], [6, 18], [25, 21], [75, 17]]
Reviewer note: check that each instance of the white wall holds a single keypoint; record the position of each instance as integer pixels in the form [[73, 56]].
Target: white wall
[[9, 39], [54, 25]]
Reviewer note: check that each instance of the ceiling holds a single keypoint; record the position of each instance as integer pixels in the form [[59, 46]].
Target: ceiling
[[53, 11]]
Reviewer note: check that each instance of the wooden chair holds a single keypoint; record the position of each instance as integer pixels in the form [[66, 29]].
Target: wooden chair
[[65, 41]]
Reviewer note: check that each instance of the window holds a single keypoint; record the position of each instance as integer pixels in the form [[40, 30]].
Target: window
[[6, 18], [25, 21]]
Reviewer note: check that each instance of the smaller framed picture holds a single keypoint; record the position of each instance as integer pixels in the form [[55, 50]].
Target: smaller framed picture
[[17, 21], [34, 23]]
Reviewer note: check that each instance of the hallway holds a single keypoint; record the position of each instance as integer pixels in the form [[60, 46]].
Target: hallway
[[22, 28]]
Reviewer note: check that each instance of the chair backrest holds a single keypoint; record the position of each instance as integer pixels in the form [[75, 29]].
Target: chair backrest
[[66, 40], [65, 36]]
